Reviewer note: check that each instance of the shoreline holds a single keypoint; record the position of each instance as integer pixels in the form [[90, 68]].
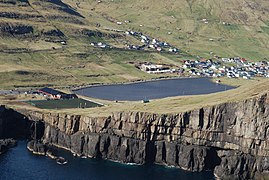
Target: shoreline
[[72, 88], [54, 157], [174, 86], [134, 82]]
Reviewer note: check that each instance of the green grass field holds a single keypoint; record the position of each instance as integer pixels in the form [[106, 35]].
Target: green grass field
[[63, 104]]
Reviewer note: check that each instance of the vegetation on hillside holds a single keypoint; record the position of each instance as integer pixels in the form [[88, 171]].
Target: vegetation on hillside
[[32, 33]]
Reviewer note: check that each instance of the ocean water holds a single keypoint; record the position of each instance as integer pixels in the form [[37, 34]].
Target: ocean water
[[154, 89], [19, 163]]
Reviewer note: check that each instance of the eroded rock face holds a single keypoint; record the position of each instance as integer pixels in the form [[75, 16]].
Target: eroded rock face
[[92, 33], [37, 147], [15, 29], [14, 15], [54, 32], [229, 138]]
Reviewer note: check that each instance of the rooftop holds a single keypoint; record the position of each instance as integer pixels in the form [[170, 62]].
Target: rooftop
[[51, 91]]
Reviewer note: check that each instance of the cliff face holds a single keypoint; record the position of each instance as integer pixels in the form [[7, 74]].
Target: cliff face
[[230, 138], [13, 124]]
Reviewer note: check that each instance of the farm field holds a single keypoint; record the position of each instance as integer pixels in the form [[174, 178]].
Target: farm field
[[63, 104]]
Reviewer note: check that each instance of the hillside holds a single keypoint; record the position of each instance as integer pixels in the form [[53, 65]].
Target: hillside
[[238, 28], [47, 42]]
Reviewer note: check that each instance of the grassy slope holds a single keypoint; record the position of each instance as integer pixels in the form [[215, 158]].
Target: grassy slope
[[78, 63], [75, 64], [248, 89], [246, 36]]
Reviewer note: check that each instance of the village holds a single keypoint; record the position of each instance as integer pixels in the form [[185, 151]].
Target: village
[[147, 43], [234, 67], [150, 43], [238, 67]]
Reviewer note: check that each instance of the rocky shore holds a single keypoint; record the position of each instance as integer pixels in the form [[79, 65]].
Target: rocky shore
[[229, 139], [5, 144], [37, 147]]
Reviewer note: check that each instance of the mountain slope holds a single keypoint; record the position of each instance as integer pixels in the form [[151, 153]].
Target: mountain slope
[[47, 42], [238, 28]]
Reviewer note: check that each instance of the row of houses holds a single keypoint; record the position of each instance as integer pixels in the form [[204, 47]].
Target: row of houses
[[156, 68], [151, 43]]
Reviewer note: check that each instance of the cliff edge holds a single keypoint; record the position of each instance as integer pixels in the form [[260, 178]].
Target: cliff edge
[[229, 139]]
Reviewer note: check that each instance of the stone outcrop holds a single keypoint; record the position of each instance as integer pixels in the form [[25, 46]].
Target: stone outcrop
[[5, 144], [61, 6], [53, 32], [14, 15], [16, 29], [37, 147], [15, 2], [94, 33]]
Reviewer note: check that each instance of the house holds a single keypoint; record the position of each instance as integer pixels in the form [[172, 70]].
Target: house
[[51, 93], [55, 94], [159, 49], [151, 68], [69, 96]]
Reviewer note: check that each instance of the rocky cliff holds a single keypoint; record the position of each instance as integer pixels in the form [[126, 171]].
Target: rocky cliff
[[14, 126], [230, 138]]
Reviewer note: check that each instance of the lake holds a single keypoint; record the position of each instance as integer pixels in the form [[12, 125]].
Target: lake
[[19, 163], [153, 89]]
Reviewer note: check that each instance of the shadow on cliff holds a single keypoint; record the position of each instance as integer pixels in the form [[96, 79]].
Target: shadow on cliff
[[212, 159], [17, 126]]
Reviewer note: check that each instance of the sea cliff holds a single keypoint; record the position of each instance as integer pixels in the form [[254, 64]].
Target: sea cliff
[[229, 138]]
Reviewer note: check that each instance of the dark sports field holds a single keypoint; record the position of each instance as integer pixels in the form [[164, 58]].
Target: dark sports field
[[63, 104]]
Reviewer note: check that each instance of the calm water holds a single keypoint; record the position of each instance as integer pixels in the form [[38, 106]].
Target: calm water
[[19, 163], [154, 89]]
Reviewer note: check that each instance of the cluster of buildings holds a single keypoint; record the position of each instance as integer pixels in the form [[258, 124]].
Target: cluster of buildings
[[245, 69], [100, 45], [241, 68], [147, 42], [210, 68], [156, 68], [50, 93], [150, 43], [206, 68]]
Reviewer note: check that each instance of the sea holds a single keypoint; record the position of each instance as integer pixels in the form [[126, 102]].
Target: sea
[[19, 163]]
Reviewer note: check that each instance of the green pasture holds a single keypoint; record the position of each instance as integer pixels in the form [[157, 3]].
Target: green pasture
[[63, 104]]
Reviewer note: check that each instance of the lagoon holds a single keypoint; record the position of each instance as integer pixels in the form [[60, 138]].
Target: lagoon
[[153, 89]]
